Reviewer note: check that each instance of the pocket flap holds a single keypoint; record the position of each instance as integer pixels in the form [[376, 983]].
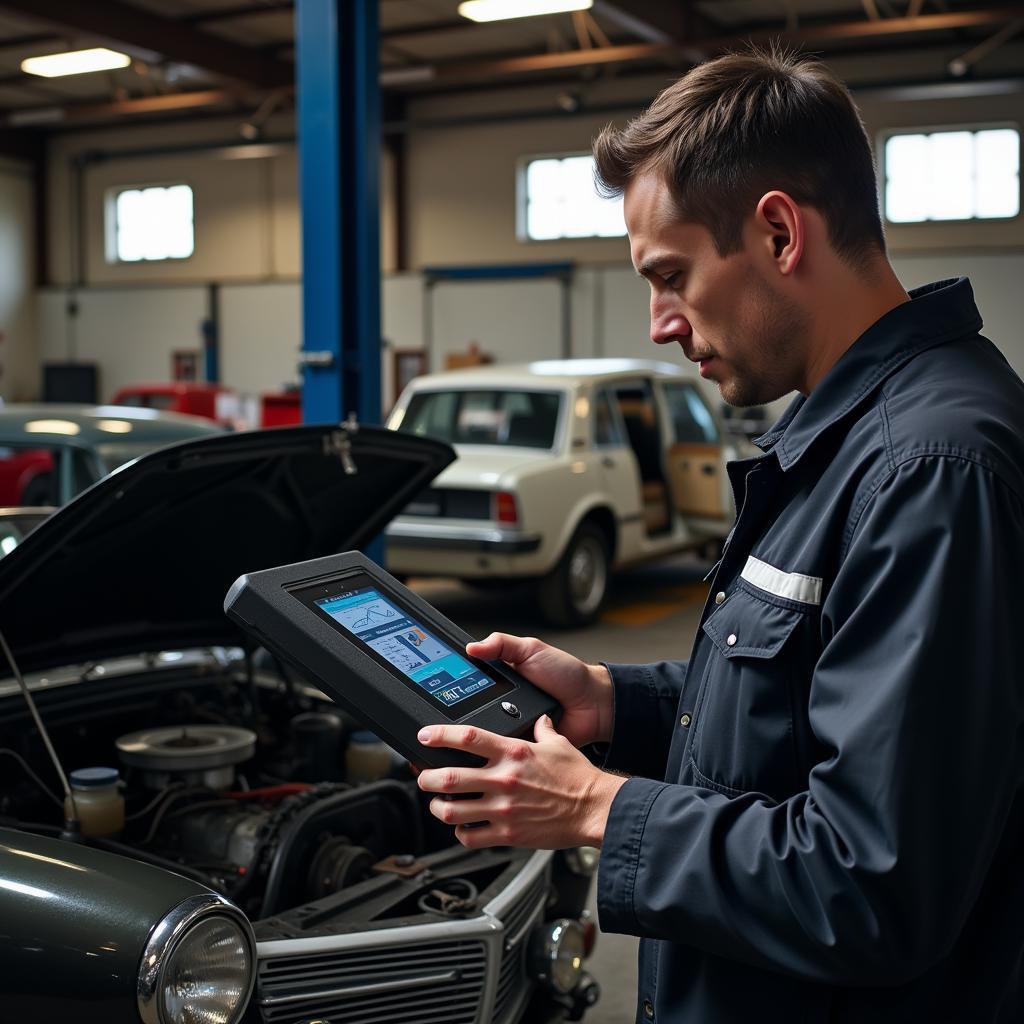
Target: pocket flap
[[756, 628]]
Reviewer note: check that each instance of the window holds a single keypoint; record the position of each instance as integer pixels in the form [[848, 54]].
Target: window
[[952, 175], [558, 199], [31, 476], [525, 419], [150, 224], [692, 422], [607, 433]]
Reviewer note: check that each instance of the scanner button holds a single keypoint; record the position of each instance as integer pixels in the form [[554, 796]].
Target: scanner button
[[510, 709]]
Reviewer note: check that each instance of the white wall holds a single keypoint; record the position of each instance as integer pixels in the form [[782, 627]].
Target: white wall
[[18, 357], [129, 333], [260, 336]]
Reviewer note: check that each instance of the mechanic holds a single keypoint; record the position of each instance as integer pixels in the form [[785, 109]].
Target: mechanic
[[823, 814]]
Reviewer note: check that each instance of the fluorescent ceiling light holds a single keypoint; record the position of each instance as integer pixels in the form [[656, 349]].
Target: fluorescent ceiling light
[[76, 62], [502, 10]]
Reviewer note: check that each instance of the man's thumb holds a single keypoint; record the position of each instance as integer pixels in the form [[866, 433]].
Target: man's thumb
[[544, 729]]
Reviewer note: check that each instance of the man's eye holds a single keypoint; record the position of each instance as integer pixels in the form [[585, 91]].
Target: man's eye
[[673, 279]]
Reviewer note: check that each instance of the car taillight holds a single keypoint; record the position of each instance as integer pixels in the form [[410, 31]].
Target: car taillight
[[505, 507]]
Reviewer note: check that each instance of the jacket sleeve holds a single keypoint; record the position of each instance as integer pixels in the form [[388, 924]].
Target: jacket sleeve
[[645, 701], [868, 876]]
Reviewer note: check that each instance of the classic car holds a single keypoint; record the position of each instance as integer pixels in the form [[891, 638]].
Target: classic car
[[566, 469], [49, 453], [254, 874]]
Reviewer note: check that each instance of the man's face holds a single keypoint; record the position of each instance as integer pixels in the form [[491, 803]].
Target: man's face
[[725, 314]]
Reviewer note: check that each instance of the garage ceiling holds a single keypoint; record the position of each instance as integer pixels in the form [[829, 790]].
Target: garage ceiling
[[211, 56]]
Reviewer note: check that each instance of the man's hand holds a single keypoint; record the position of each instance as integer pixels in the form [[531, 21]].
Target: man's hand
[[584, 691], [544, 795]]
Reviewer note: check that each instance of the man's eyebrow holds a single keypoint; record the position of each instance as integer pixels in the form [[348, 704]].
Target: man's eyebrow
[[650, 266]]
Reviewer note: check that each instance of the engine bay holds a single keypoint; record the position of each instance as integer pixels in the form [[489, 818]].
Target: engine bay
[[256, 786]]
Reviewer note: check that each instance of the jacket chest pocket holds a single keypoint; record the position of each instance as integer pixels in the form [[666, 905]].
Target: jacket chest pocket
[[751, 713]]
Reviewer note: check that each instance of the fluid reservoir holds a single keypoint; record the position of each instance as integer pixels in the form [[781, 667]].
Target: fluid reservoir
[[367, 759], [98, 801]]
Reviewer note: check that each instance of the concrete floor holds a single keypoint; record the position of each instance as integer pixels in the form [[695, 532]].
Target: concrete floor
[[652, 615]]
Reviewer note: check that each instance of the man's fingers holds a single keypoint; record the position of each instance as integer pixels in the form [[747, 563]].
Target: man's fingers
[[462, 812], [480, 838], [454, 780], [504, 647], [464, 737]]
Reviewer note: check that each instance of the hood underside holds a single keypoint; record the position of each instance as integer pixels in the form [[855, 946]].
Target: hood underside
[[142, 560]]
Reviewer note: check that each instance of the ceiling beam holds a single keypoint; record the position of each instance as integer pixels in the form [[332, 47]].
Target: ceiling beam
[[831, 29], [231, 13], [550, 61], [805, 32], [135, 29], [648, 21], [427, 28], [50, 117]]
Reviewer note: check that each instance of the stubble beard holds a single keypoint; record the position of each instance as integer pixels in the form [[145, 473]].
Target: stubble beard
[[778, 331]]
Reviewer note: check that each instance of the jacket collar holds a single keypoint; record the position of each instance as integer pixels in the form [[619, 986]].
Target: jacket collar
[[939, 313]]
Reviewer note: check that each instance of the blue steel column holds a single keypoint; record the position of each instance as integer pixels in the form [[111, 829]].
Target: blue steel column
[[339, 157]]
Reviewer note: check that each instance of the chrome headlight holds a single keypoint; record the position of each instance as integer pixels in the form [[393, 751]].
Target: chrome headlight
[[556, 954], [198, 966]]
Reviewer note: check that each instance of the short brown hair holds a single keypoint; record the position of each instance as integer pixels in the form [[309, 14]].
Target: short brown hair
[[736, 127]]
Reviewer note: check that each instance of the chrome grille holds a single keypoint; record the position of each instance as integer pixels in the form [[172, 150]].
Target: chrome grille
[[436, 983], [512, 982]]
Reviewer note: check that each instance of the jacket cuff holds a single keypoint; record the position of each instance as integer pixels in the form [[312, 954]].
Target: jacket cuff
[[620, 855], [637, 745]]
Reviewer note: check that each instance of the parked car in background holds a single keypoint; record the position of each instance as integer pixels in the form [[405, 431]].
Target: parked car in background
[[257, 874], [49, 453], [566, 469], [211, 401], [16, 523]]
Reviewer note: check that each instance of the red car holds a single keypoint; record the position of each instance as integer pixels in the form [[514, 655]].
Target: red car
[[179, 396], [26, 477]]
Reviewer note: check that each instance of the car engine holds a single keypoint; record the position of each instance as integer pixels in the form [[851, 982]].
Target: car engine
[[246, 782]]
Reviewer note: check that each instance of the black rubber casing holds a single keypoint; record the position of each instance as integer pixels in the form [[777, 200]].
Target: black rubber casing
[[263, 604]]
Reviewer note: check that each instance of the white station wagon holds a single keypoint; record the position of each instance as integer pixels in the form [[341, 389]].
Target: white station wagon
[[566, 469]]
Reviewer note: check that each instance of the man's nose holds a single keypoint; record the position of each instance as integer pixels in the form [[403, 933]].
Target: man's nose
[[668, 325]]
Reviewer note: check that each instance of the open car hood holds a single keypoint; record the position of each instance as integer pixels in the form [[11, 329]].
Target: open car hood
[[141, 561]]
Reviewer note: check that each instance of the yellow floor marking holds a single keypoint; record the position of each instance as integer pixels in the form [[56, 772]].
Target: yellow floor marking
[[668, 602]]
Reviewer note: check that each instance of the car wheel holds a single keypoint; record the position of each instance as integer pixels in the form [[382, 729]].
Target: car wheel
[[572, 594]]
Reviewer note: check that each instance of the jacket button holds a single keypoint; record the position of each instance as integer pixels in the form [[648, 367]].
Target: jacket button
[[731, 639], [685, 721], [720, 597], [648, 1009]]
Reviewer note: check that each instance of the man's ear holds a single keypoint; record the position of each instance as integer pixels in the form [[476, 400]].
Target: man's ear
[[781, 224]]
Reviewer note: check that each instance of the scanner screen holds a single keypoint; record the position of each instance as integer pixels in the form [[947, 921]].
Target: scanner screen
[[405, 644]]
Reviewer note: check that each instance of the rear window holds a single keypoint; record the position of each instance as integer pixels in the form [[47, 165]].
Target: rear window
[[523, 419]]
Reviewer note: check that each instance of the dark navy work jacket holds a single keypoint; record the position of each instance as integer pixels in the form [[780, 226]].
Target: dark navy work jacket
[[825, 821]]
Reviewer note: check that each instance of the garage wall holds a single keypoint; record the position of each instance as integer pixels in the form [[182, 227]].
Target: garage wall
[[460, 186], [18, 356], [129, 333], [247, 215]]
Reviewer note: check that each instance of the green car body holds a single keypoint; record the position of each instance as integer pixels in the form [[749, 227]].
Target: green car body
[[77, 921]]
